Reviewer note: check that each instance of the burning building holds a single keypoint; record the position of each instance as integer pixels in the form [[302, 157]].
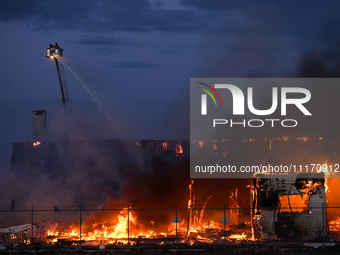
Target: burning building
[[17, 234], [137, 193], [291, 206], [285, 207]]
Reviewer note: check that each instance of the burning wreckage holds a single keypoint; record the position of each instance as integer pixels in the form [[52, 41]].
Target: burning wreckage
[[285, 207], [291, 206], [282, 207], [16, 234], [187, 227]]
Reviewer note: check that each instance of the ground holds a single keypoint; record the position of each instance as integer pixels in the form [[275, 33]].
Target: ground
[[261, 249]]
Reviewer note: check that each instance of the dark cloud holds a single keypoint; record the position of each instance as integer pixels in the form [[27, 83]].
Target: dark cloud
[[109, 41], [178, 21], [170, 51], [305, 21], [133, 64], [105, 49], [100, 16], [203, 4], [102, 40]]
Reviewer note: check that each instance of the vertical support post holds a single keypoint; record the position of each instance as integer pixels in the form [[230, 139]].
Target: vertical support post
[[224, 227], [274, 223], [176, 225], [80, 221], [303, 232], [323, 224], [32, 227], [128, 224]]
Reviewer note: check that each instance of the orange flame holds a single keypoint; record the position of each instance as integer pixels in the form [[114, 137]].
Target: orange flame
[[36, 143], [305, 139], [165, 146], [179, 149]]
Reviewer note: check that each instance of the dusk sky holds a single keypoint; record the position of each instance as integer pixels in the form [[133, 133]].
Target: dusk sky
[[136, 58]]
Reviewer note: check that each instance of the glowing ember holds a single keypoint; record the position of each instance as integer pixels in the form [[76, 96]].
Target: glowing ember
[[242, 236], [36, 143], [334, 225], [251, 140], [305, 139]]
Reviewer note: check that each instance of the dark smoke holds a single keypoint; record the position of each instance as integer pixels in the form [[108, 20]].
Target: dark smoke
[[319, 63]]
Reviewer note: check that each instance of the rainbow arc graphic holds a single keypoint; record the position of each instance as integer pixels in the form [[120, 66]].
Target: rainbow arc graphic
[[204, 97]]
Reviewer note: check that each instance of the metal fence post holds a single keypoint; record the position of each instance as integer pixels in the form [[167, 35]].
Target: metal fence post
[[224, 227], [80, 221], [323, 225], [32, 227], [303, 232], [176, 224], [274, 215], [128, 224]]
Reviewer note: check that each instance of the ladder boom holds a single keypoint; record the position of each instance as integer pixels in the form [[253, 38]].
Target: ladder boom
[[54, 52], [62, 81]]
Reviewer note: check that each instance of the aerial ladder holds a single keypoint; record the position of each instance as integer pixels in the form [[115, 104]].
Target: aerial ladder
[[55, 52]]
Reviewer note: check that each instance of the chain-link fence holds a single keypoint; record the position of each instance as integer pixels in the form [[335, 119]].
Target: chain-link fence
[[177, 224]]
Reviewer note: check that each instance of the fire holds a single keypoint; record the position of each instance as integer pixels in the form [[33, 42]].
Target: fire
[[326, 185], [242, 236], [327, 174], [126, 227], [334, 225], [105, 232], [179, 149], [36, 143], [251, 140], [293, 203], [165, 146], [126, 230], [233, 203], [305, 139]]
